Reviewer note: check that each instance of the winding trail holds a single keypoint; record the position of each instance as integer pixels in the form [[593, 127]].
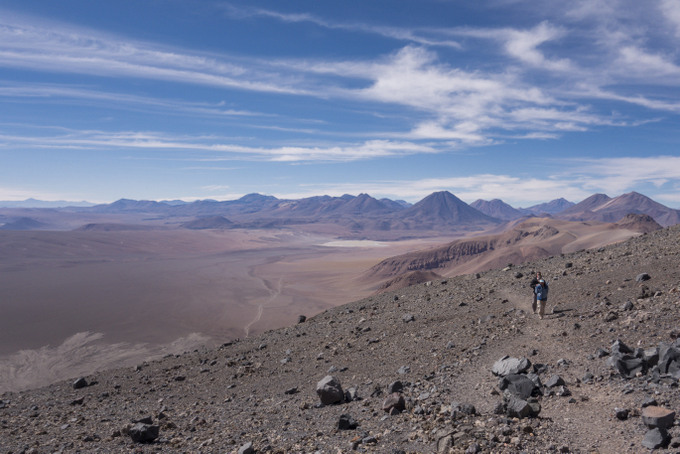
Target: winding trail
[[274, 292]]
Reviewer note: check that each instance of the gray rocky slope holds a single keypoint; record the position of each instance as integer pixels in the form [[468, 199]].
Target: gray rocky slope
[[415, 369]]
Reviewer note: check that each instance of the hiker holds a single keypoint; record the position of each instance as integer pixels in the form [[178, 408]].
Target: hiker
[[534, 283], [541, 291]]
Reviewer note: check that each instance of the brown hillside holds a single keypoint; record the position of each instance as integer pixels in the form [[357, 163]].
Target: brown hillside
[[407, 280], [529, 240]]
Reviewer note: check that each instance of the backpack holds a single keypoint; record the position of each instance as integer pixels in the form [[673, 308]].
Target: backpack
[[541, 291]]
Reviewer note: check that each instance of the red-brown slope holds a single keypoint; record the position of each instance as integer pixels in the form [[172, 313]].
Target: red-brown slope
[[529, 240]]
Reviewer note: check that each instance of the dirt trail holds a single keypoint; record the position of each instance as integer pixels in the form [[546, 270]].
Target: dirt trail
[[274, 292]]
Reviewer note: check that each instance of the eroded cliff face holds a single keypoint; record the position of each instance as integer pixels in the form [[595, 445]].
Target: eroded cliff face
[[516, 243], [531, 239]]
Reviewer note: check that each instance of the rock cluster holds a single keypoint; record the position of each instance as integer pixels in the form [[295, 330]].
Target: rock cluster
[[661, 362]]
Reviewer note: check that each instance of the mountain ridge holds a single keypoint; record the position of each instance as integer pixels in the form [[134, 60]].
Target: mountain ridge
[[350, 216]]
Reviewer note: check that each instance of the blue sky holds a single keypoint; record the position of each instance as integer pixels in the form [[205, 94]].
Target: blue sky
[[526, 101]]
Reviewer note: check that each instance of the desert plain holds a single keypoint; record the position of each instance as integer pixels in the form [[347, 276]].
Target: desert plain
[[79, 300]]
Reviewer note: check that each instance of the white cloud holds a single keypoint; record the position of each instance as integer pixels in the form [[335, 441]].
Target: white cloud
[[619, 175], [671, 11], [523, 45], [220, 148], [71, 50], [647, 67], [402, 34]]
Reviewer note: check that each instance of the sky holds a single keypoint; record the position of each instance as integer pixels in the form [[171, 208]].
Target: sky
[[525, 101]]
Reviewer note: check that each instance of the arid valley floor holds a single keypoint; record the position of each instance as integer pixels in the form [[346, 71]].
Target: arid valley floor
[[77, 300]]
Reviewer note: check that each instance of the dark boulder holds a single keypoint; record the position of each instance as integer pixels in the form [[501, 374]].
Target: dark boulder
[[143, 433], [519, 385], [395, 387], [628, 366], [555, 380], [329, 390], [520, 408], [669, 360]]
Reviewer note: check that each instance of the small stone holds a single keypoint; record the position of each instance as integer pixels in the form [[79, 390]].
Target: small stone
[[408, 318], [351, 394], [642, 277], [301, 319], [627, 306], [601, 353], [656, 438], [246, 449], [474, 448], [370, 440], [394, 402], [395, 387], [80, 383], [621, 413], [346, 422], [562, 391], [403, 370], [611, 316], [649, 401]]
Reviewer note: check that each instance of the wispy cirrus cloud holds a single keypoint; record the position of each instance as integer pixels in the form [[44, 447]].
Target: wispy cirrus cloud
[[73, 50], [68, 93], [418, 36], [222, 148]]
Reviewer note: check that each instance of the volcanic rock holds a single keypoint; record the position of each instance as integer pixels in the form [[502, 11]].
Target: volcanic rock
[[329, 390], [653, 416], [656, 438], [508, 365], [143, 433], [80, 383], [394, 403]]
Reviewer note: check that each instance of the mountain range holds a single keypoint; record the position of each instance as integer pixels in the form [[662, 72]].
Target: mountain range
[[355, 216]]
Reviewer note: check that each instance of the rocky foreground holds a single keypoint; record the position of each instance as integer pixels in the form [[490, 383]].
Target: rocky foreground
[[454, 365]]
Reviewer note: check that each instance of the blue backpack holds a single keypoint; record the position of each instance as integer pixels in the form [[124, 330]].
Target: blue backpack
[[541, 291]]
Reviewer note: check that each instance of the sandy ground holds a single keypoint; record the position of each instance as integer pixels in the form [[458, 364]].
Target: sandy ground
[[73, 302]]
